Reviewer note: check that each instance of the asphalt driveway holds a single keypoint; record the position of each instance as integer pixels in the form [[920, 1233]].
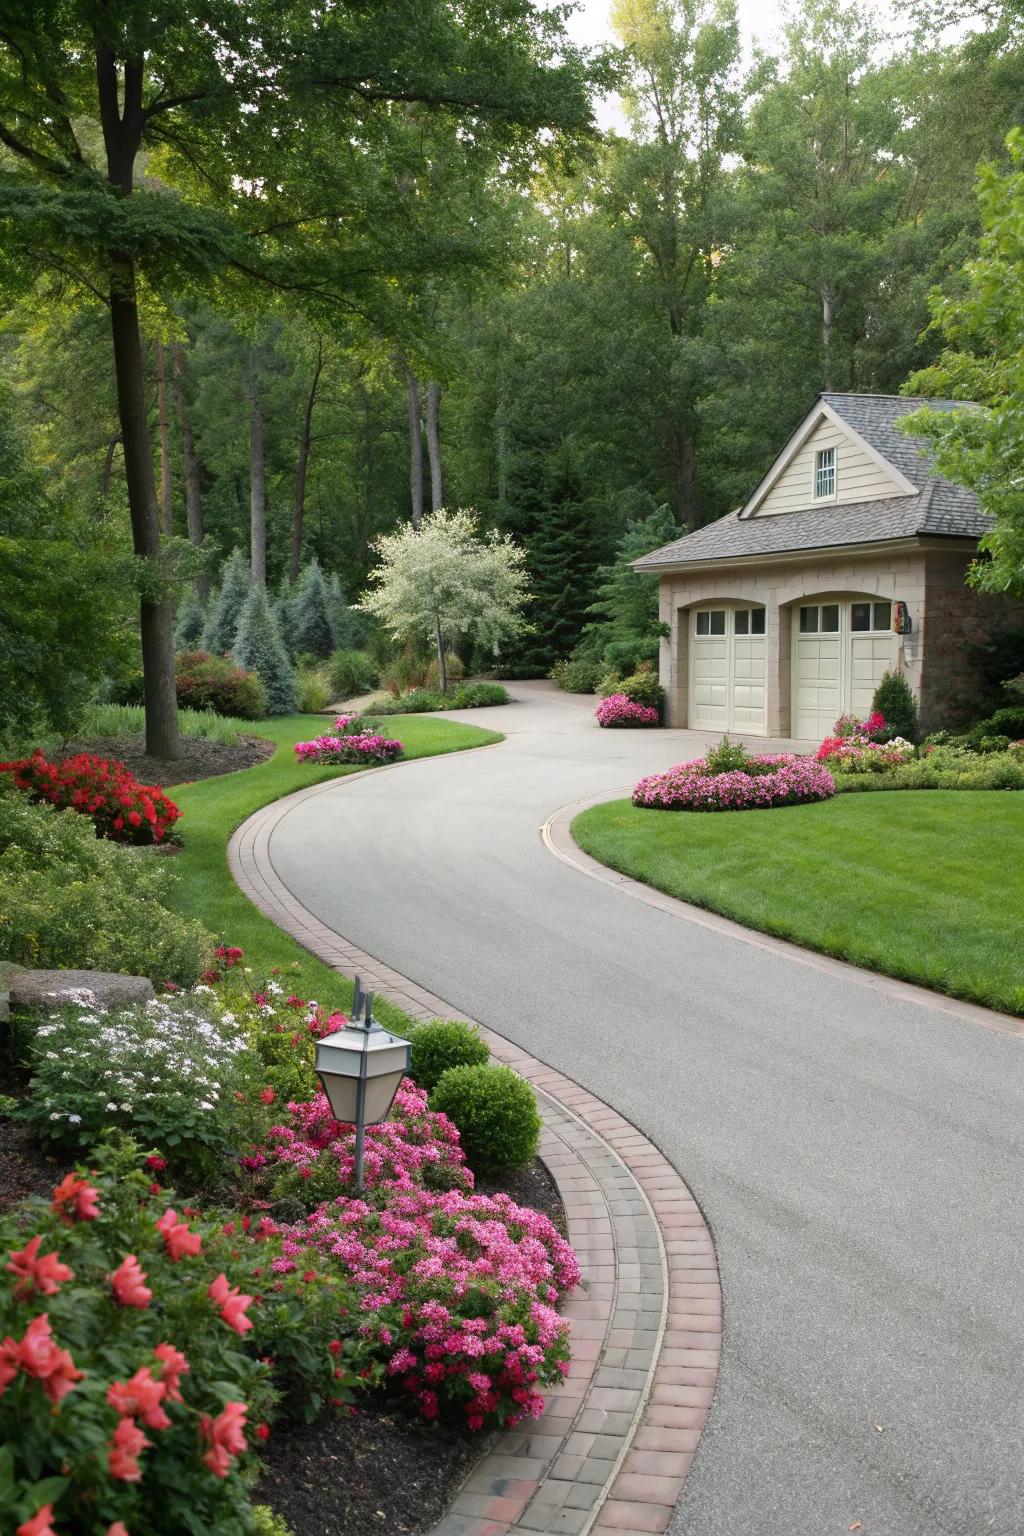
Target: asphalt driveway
[[857, 1156]]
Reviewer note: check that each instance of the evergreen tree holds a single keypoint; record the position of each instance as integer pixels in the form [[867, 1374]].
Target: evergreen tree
[[626, 631], [225, 608], [350, 627], [260, 649], [894, 700], [283, 609], [312, 632], [191, 619], [561, 556]]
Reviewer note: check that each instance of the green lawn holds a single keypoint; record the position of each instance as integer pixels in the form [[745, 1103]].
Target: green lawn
[[213, 808], [926, 885]]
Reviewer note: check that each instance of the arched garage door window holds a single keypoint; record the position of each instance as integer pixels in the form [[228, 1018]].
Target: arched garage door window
[[727, 669], [840, 651]]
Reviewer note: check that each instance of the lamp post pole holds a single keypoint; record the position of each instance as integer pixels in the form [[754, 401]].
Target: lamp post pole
[[360, 1068]]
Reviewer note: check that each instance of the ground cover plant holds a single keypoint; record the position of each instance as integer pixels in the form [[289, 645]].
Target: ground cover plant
[[420, 701], [167, 1070], [916, 885], [70, 899]]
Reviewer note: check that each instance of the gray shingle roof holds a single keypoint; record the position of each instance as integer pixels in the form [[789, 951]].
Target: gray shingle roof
[[940, 509]]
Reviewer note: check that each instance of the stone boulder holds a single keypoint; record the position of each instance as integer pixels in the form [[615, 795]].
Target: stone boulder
[[106, 989]]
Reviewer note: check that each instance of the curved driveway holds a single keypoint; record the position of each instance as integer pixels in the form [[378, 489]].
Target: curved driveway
[[857, 1156]]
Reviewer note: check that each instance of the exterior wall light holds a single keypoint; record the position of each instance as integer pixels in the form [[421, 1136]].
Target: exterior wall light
[[901, 620], [360, 1068]]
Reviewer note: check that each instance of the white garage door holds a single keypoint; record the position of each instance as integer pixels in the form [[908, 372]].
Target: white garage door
[[727, 670], [840, 651]]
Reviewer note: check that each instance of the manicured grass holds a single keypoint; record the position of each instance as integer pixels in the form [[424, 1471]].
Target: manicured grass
[[213, 808], [925, 885]]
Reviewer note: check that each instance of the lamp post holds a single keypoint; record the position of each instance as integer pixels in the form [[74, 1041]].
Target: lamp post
[[360, 1068]]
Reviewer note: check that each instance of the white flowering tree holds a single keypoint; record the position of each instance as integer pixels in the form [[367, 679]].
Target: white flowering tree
[[446, 580]]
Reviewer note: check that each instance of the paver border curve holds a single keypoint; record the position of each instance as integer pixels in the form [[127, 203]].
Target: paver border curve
[[556, 835], [611, 1453]]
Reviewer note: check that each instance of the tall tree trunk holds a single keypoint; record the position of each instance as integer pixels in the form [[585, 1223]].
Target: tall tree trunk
[[827, 317], [415, 448], [295, 557], [122, 135], [193, 468], [434, 444], [166, 508], [442, 666], [257, 478], [686, 510]]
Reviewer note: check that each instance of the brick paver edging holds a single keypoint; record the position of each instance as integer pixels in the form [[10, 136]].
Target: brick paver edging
[[611, 1452]]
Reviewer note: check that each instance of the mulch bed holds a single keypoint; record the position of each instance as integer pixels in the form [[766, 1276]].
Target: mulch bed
[[23, 1168], [200, 759], [379, 1471]]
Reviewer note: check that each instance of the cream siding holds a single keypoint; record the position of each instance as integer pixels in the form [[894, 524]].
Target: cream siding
[[858, 477]]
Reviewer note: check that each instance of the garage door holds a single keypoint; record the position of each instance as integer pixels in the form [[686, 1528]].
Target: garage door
[[840, 651], [727, 670]]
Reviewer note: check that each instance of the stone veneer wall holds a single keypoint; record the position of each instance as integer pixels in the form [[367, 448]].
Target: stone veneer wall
[[956, 617], [779, 585]]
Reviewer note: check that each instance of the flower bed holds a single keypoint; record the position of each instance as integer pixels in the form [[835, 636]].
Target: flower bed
[[313, 1154], [457, 1296], [771, 780], [858, 754], [347, 745], [120, 807], [617, 711], [166, 1070], [134, 1367]]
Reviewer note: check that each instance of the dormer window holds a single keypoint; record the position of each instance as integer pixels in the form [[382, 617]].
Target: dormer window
[[824, 473]]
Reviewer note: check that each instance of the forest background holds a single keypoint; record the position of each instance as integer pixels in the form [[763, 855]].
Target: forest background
[[455, 290]]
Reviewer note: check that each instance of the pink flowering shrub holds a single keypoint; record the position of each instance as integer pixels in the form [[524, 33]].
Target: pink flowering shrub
[[367, 748], [457, 1298], [135, 1345], [312, 1155], [772, 780], [618, 711]]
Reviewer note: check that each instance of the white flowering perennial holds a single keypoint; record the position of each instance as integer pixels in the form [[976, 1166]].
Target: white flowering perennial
[[165, 1070]]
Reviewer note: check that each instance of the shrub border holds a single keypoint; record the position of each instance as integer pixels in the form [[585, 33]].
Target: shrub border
[[616, 1441]]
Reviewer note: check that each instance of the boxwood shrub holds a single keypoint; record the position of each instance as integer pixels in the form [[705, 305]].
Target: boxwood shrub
[[444, 1043], [496, 1114]]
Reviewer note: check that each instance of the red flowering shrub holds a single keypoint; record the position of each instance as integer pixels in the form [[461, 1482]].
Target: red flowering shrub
[[312, 1155], [457, 1298], [121, 808], [215, 683], [134, 1357]]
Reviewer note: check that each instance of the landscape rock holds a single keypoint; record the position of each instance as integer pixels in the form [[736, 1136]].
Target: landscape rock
[[106, 989]]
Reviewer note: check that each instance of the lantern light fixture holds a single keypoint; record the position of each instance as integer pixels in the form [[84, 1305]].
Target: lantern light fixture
[[360, 1068]]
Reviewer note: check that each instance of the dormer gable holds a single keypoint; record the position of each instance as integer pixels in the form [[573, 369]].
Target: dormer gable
[[826, 463]]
